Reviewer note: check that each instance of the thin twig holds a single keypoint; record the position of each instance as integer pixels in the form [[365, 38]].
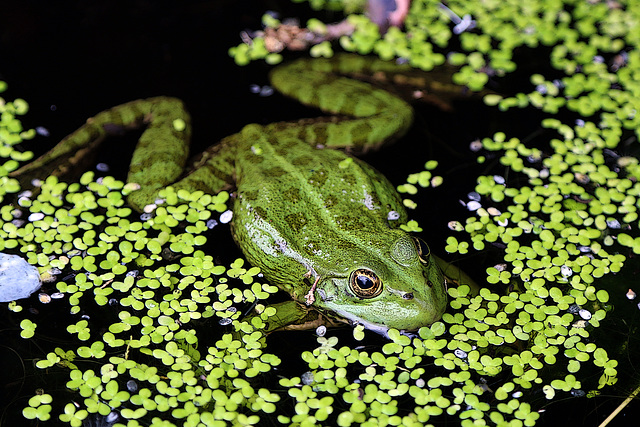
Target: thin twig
[[620, 408]]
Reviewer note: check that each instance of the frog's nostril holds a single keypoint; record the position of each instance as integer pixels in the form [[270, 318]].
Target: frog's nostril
[[408, 295]]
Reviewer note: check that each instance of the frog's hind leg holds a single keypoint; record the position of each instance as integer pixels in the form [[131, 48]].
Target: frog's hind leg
[[214, 169], [369, 116], [159, 157]]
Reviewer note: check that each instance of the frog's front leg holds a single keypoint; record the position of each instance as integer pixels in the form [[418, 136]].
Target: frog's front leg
[[294, 316], [309, 296]]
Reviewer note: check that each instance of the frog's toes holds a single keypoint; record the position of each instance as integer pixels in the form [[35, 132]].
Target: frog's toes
[[310, 298], [409, 334]]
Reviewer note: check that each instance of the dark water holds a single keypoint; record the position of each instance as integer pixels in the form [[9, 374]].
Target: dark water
[[71, 60]]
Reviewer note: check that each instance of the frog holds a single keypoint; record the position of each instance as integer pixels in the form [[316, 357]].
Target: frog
[[321, 224]]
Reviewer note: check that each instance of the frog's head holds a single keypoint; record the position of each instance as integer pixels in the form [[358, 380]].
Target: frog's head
[[400, 286]]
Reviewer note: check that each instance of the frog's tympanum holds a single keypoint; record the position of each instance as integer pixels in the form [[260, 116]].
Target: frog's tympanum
[[321, 225]]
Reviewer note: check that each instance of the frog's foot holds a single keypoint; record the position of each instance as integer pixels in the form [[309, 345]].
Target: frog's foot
[[410, 334], [310, 298]]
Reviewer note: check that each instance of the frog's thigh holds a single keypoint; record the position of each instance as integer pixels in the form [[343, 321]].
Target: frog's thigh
[[213, 170]]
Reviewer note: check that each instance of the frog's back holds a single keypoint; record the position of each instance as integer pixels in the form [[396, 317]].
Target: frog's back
[[321, 203]]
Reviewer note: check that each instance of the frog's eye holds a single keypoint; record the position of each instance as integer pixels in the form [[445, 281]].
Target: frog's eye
[[365, 283], [423, 250]]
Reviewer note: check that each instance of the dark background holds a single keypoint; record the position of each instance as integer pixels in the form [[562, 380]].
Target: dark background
[[72, 59]]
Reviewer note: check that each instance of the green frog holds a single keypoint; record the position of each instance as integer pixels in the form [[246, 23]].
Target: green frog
[[320, 224]]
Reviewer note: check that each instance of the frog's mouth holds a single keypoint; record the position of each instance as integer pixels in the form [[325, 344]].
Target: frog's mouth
[[355, 321]]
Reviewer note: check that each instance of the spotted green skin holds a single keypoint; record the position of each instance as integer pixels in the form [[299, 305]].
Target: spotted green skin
[[304, 212], [299, 211]]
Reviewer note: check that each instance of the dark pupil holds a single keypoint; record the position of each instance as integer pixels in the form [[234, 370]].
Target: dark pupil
[[364, 282]]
